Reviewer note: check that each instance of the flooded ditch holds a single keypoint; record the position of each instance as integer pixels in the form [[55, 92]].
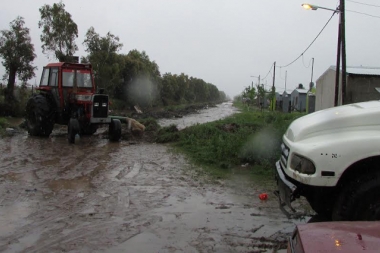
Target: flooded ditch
[[97, 196]]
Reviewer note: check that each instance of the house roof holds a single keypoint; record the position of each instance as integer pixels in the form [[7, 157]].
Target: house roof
[[302, 91], [361, 70]]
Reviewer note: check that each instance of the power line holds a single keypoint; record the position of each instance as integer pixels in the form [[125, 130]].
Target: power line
[[304, 62], [310, 43], [373, 5], [362, 13], [268, 72], [281, 74]]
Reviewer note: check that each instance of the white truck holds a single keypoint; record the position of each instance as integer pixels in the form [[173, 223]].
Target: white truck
[[332, 158]]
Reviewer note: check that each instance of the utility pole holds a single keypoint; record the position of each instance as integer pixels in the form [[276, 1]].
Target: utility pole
[[343, 39], [341, 55], [286, 76], [273, 89], [312, 70], [337, 70], [310, 86]]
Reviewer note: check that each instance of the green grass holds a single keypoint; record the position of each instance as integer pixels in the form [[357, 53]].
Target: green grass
[[249, 137], [3, 125]]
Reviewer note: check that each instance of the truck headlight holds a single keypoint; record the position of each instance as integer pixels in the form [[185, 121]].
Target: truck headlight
[[302, 164]]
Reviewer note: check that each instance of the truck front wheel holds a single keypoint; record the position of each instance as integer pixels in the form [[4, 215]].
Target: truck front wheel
[[359, 199], [321, 204]]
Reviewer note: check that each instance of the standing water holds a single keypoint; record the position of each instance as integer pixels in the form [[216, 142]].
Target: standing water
[[100, 196], [203, 116]]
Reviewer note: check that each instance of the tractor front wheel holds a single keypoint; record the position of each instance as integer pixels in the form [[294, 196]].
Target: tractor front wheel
[[114, 130], [72, 129], [39, 116], [89, 130]]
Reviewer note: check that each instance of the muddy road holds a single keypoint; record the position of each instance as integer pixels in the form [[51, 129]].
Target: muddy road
[[97, 196]]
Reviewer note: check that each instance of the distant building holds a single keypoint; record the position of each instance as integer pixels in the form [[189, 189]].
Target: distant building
[[298, 99], [360, 86], [286, 101], [278, 101], [311, 102]]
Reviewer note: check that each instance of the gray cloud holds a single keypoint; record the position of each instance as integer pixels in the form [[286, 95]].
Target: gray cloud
[[223, 42]]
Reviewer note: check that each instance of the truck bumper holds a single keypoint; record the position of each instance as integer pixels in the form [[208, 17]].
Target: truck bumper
[[285, 191]]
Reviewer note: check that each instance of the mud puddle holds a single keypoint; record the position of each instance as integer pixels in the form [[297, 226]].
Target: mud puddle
[[97, 196]]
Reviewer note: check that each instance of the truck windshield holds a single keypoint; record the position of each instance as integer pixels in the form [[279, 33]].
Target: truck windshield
[[83, 78]]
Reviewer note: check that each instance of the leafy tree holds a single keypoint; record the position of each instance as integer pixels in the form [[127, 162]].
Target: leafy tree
[[200, 89], [261, 93], [17, 51], [103, 56], [169, 88], [222, 96], [141, 79], [249, 93], [213, 95], [59, 31]]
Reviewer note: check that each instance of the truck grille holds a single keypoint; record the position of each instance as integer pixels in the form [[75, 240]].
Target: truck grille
[[100, 106], [284, 155]]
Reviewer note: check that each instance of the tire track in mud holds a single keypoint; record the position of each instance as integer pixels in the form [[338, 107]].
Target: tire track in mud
[[116, 203], [98, 196]]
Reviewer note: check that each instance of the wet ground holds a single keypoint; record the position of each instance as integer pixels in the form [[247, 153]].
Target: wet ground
[[97, 196]]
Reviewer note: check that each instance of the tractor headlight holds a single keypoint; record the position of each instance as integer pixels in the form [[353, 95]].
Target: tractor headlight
[[83, 97], [302, 164], [104, 104], [96, 104]]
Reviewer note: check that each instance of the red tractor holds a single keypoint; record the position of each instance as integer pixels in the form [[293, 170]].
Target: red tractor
[[67, 96]]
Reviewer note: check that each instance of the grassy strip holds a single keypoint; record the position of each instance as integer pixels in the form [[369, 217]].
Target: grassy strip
[[250, 137], [3, 125]]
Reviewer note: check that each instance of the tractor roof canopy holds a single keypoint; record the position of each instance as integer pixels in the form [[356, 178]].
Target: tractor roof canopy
[[70, 65]]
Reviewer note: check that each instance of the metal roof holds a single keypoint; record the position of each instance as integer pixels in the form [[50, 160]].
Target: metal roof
[[361, 70], [302, 91]]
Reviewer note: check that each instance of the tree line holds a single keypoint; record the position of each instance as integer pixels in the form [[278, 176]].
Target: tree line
[[132, 78], [257, 95]]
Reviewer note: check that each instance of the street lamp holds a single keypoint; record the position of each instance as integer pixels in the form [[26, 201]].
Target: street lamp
[[316, 7], [341, 49], [258, 78]]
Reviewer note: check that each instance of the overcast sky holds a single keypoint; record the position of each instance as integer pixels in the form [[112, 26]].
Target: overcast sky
[[223, 42]]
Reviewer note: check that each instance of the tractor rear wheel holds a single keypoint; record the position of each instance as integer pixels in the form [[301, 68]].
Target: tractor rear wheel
[[73, 129], [114, 130], [39, 116]]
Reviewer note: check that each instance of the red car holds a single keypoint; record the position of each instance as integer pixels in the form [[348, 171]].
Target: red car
[[330, 237]]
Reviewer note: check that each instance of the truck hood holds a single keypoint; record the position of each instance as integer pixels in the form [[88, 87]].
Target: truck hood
[[335, 119]]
